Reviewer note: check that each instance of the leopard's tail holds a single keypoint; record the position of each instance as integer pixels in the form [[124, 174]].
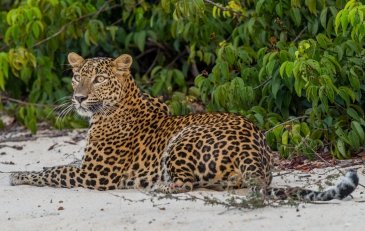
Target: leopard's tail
[[345, 186]]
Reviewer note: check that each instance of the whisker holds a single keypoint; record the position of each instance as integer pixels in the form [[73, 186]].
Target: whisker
[[65, 113], [57, 108], [67, 97]]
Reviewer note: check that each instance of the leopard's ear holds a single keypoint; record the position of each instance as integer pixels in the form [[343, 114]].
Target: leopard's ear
[[74, 59], [123, 62]]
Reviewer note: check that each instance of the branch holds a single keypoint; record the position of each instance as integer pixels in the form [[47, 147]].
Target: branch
[[102, 9], [194, 69], [3, 47], [263, 83], [300, 34], [151, 42], [17, 101], [146, 52], [152, 65]]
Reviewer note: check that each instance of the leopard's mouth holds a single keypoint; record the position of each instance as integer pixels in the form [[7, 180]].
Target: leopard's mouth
[[89, 109], [82, 111]]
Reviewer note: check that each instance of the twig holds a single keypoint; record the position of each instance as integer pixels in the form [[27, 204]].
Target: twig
[[121, 18], [283, 174], [118, 21], [232, 202], [300, 34], [146, 52], [127, 199], [334, 166], [266, 81], [176, 58], [151, 42], [297, 118], [152, 65]]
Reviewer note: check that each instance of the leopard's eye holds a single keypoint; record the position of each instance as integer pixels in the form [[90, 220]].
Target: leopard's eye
[[76, 78], [99, 79]]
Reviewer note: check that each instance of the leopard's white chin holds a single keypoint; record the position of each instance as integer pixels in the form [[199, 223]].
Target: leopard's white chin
[[83, 112]]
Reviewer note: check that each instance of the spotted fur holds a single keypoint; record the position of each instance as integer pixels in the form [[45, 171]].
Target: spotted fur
[[134, 142]]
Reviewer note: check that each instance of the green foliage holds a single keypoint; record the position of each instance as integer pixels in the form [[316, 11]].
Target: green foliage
[[294, 67]]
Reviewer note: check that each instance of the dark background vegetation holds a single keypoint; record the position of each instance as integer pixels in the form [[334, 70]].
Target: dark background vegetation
[[294, 67]]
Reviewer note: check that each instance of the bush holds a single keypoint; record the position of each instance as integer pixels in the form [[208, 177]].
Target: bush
[[294, 67]]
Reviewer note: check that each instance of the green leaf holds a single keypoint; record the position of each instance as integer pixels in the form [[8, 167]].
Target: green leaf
[[166, 5], [312, 6], [323, 17], [298, 86], [282, 68], [113, 30], [353, 114], [314, 65], [356, 126], [338, 21], [354, 140], [35, 30], [341, 147], [225, 70], [354, 79], [279, 9], [140, 39], [296, 16], [323, 40], [285, 138], [259, 118], [289, 68], [344, 21], [275, 86], [259, 5], [179, 78], [270, 67], [305, 129]]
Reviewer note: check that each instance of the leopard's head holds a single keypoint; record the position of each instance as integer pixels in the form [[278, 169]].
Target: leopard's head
[[97, 83]]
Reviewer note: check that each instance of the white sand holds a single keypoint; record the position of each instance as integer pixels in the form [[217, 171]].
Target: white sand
[[34, 208]]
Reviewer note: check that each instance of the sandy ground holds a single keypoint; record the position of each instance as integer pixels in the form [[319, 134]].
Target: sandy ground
[[34, 208]]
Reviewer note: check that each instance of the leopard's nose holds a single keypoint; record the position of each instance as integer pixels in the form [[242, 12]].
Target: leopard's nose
[[80, 98]]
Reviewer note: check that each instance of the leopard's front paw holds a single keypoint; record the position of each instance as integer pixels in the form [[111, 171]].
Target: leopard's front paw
[[18, 178]]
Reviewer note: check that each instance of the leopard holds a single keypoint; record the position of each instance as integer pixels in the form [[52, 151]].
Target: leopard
[[133, 142]]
